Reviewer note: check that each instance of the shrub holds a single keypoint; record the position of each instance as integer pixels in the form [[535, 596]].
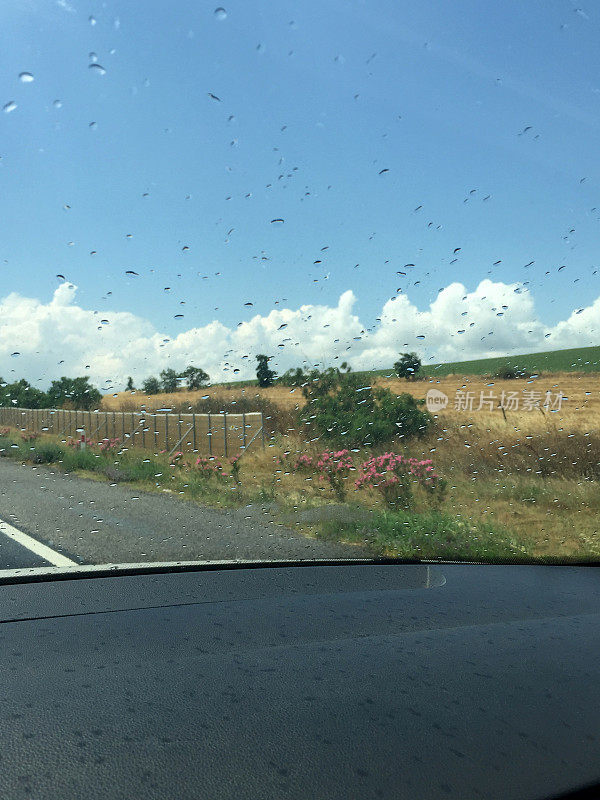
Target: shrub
[[393, 476], [334, 467], [303, 463], [235, 468], [344, 411], [109, 445], [176, 459], [47, 453], [81, 459], [209, 468], [29, 436]]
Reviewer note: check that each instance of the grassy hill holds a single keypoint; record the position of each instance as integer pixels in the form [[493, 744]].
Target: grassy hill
[[577, 359]]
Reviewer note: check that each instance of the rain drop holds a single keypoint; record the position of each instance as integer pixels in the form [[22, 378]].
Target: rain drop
[[277, 222], [26, 77], [220, 14], [97, 68], [10, 106]]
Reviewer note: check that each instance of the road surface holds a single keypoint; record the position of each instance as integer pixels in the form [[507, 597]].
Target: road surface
[[47, 517]]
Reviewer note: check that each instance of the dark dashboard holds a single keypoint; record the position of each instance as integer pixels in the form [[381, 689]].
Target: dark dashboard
[[324, 681]]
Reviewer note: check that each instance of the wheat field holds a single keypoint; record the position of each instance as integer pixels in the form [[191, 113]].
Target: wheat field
[[579, 410]]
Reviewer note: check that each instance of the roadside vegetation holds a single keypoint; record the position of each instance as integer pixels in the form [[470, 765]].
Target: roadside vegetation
[[364, 461]]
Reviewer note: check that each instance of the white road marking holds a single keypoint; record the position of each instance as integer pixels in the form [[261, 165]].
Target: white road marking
[[42, 550]]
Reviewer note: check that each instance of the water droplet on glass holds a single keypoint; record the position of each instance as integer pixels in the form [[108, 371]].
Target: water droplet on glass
[[92, 20], [220, 13], [10, 106], [93, 125], [57, 104], [14, 355], [26, 77], [277, 222], [97, 68]]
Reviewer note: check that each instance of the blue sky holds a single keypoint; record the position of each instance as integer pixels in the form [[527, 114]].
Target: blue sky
[[457, 101]]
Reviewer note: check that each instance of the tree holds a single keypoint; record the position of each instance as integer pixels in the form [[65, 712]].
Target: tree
[[130, 387], [151, 385], [75, 392], [292, 377], [408, 366], [265, 375], [169, 380], [196, 377], [22, 394]]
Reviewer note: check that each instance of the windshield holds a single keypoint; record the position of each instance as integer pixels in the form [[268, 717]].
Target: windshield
[[291, 281]]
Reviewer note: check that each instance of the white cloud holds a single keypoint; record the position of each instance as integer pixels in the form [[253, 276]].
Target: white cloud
[[62, 338]]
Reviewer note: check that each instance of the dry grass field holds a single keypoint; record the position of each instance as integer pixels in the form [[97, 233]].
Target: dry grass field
[[580, 409], [534, 472]]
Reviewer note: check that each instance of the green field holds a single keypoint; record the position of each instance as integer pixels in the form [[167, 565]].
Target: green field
[[577, 359]]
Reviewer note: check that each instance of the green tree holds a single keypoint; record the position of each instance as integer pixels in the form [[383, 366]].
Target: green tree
[[21, 394], [340, 409], [264, 374], [408, 366], [293, 377], [151, 385], [130, 387], [196, 377], [74, 392], [169, 380]]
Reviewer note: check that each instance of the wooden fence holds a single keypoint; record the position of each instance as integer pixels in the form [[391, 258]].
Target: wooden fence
[[209, 434]]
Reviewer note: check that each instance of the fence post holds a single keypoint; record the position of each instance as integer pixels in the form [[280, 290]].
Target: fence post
[[225, 432], [209, 436], [262, 425], [155, 432], [179, 425], [194, 430], [143, 418], [122, 413], [244, 429], [166, 431]]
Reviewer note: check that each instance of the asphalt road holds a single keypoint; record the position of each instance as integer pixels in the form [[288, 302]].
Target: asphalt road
[[89, 522]]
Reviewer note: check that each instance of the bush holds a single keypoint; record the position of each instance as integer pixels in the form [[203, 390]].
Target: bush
[[208, 468], [344, 411], [332, 467], [393, 476], [47, 453], [81, 459]]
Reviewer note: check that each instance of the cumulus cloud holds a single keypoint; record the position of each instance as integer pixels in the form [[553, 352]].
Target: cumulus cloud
[[42, 341]]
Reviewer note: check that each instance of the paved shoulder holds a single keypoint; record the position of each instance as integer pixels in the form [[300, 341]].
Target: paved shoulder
[[97, 523]]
